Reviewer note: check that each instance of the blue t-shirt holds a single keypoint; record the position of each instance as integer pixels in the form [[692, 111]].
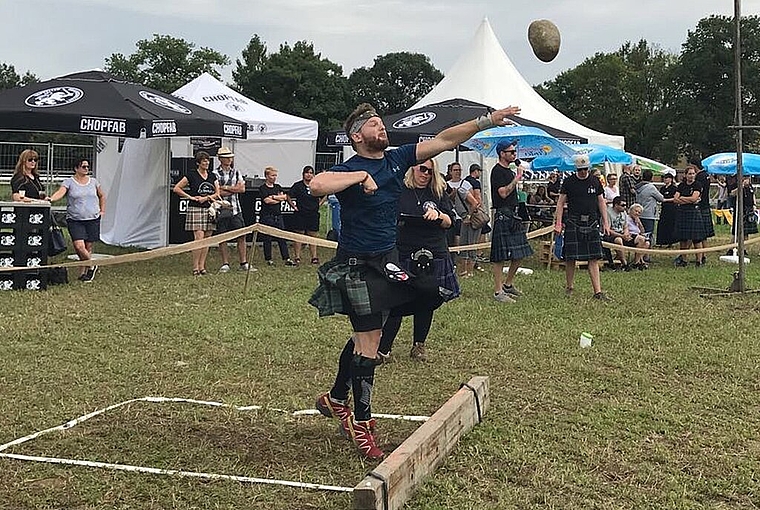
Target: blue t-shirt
[[368, 222]]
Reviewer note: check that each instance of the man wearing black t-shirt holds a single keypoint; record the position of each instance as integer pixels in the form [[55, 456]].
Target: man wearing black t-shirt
[[508, 241], [584, 196]]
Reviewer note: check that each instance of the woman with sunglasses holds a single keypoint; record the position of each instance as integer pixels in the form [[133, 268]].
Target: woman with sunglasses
[[425, 213], [25, 183], [85, 206]]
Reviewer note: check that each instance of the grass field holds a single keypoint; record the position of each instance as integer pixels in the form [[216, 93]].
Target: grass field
[[661, 411]]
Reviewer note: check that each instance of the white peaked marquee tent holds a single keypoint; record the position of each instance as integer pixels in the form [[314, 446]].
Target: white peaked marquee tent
[[274, 138], [485, 74], [135, 173]]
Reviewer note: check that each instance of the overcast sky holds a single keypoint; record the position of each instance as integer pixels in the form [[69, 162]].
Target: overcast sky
[[54, 37]]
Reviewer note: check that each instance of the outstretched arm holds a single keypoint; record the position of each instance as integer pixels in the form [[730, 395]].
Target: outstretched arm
[[450, 138]]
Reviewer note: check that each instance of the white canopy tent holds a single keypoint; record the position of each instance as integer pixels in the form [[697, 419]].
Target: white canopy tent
[[485, 74], [135, 174], [274, 139]]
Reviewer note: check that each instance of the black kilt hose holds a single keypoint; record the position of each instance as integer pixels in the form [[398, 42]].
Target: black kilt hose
[[508, 240], [690, 224], [583, 240]]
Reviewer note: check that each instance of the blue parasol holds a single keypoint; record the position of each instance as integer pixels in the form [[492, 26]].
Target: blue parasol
[[725, 163], [531, 142], [598, 154]]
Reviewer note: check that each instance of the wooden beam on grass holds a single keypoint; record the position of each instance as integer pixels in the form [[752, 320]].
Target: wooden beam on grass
[[392, 483]]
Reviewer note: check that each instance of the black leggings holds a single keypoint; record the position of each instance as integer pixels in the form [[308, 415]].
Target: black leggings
[[266, 240], [423, 319]]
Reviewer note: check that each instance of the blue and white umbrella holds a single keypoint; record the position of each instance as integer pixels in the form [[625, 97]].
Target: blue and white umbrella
[[531, 142], [597, 154], [725, 163]]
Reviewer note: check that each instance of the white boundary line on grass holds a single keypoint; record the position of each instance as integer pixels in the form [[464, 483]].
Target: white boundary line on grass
[[209, 476], [192, 474]]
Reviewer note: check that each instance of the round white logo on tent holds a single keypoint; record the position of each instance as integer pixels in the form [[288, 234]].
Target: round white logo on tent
[[415, 120], [164, 102], [234, 107], [258, 129], [55, 96]]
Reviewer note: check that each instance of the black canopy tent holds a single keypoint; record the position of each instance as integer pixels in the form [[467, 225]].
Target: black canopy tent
[[97, 103], [422, 123]]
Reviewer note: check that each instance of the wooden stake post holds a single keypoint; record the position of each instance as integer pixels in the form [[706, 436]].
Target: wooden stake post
[[391, 483]]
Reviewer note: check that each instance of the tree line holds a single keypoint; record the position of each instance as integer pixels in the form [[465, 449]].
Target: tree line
[[668, 106]]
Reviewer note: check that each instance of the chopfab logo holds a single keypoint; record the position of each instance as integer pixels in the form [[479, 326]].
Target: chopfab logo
[[102, 125], [55, 96], [233, 129], [163, 127], [164, 102], [411, 121], [257, 129], [223, 97], [342, 139]]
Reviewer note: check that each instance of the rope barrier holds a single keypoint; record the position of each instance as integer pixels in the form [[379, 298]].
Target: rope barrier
[[324, 243]]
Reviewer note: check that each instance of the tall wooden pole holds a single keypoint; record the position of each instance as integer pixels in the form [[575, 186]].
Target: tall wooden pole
[[739, 216]]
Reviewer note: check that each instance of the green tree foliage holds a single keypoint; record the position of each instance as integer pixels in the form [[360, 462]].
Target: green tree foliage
[[9, 78], [705, 103], [165, 63], [627, 92], [295, 80], [394, 82]]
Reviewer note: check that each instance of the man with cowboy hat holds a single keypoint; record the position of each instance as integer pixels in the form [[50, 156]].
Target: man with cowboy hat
[[231, 183], [584, 196]]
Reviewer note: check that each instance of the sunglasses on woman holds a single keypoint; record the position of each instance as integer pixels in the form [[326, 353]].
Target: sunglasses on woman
[[32, 159], [425, 170]]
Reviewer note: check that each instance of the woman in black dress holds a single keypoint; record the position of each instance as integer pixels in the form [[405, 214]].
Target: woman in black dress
[[666, 227], [425, 214]]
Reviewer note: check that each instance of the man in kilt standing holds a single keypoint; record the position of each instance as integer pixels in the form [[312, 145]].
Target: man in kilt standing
[[584, 196], [364, 280], [508, 241]]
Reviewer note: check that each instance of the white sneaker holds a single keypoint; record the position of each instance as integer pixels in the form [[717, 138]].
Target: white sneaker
[[245, 266], [225, 268], [503, 297]]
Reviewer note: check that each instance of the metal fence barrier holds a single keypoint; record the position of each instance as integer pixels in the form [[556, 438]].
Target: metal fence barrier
[[55, 164]]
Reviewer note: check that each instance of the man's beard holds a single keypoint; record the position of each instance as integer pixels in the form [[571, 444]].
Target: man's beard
[[377, 144]]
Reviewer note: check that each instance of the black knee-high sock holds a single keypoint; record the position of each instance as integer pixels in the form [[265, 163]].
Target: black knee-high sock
[[422, 321], [362, 379], [342, 384], [390, 330]]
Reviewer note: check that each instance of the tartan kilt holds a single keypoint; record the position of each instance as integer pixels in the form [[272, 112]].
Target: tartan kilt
[[508, 239], [359, 286], [578, 246], [750, 223], [690, 224], [443, 271], [196, 218], [708, 222]]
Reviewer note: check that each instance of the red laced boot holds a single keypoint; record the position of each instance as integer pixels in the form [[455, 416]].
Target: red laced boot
[[332, 409], [361, 433]]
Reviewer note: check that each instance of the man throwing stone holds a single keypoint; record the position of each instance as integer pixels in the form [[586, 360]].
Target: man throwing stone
[[363, 281]]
